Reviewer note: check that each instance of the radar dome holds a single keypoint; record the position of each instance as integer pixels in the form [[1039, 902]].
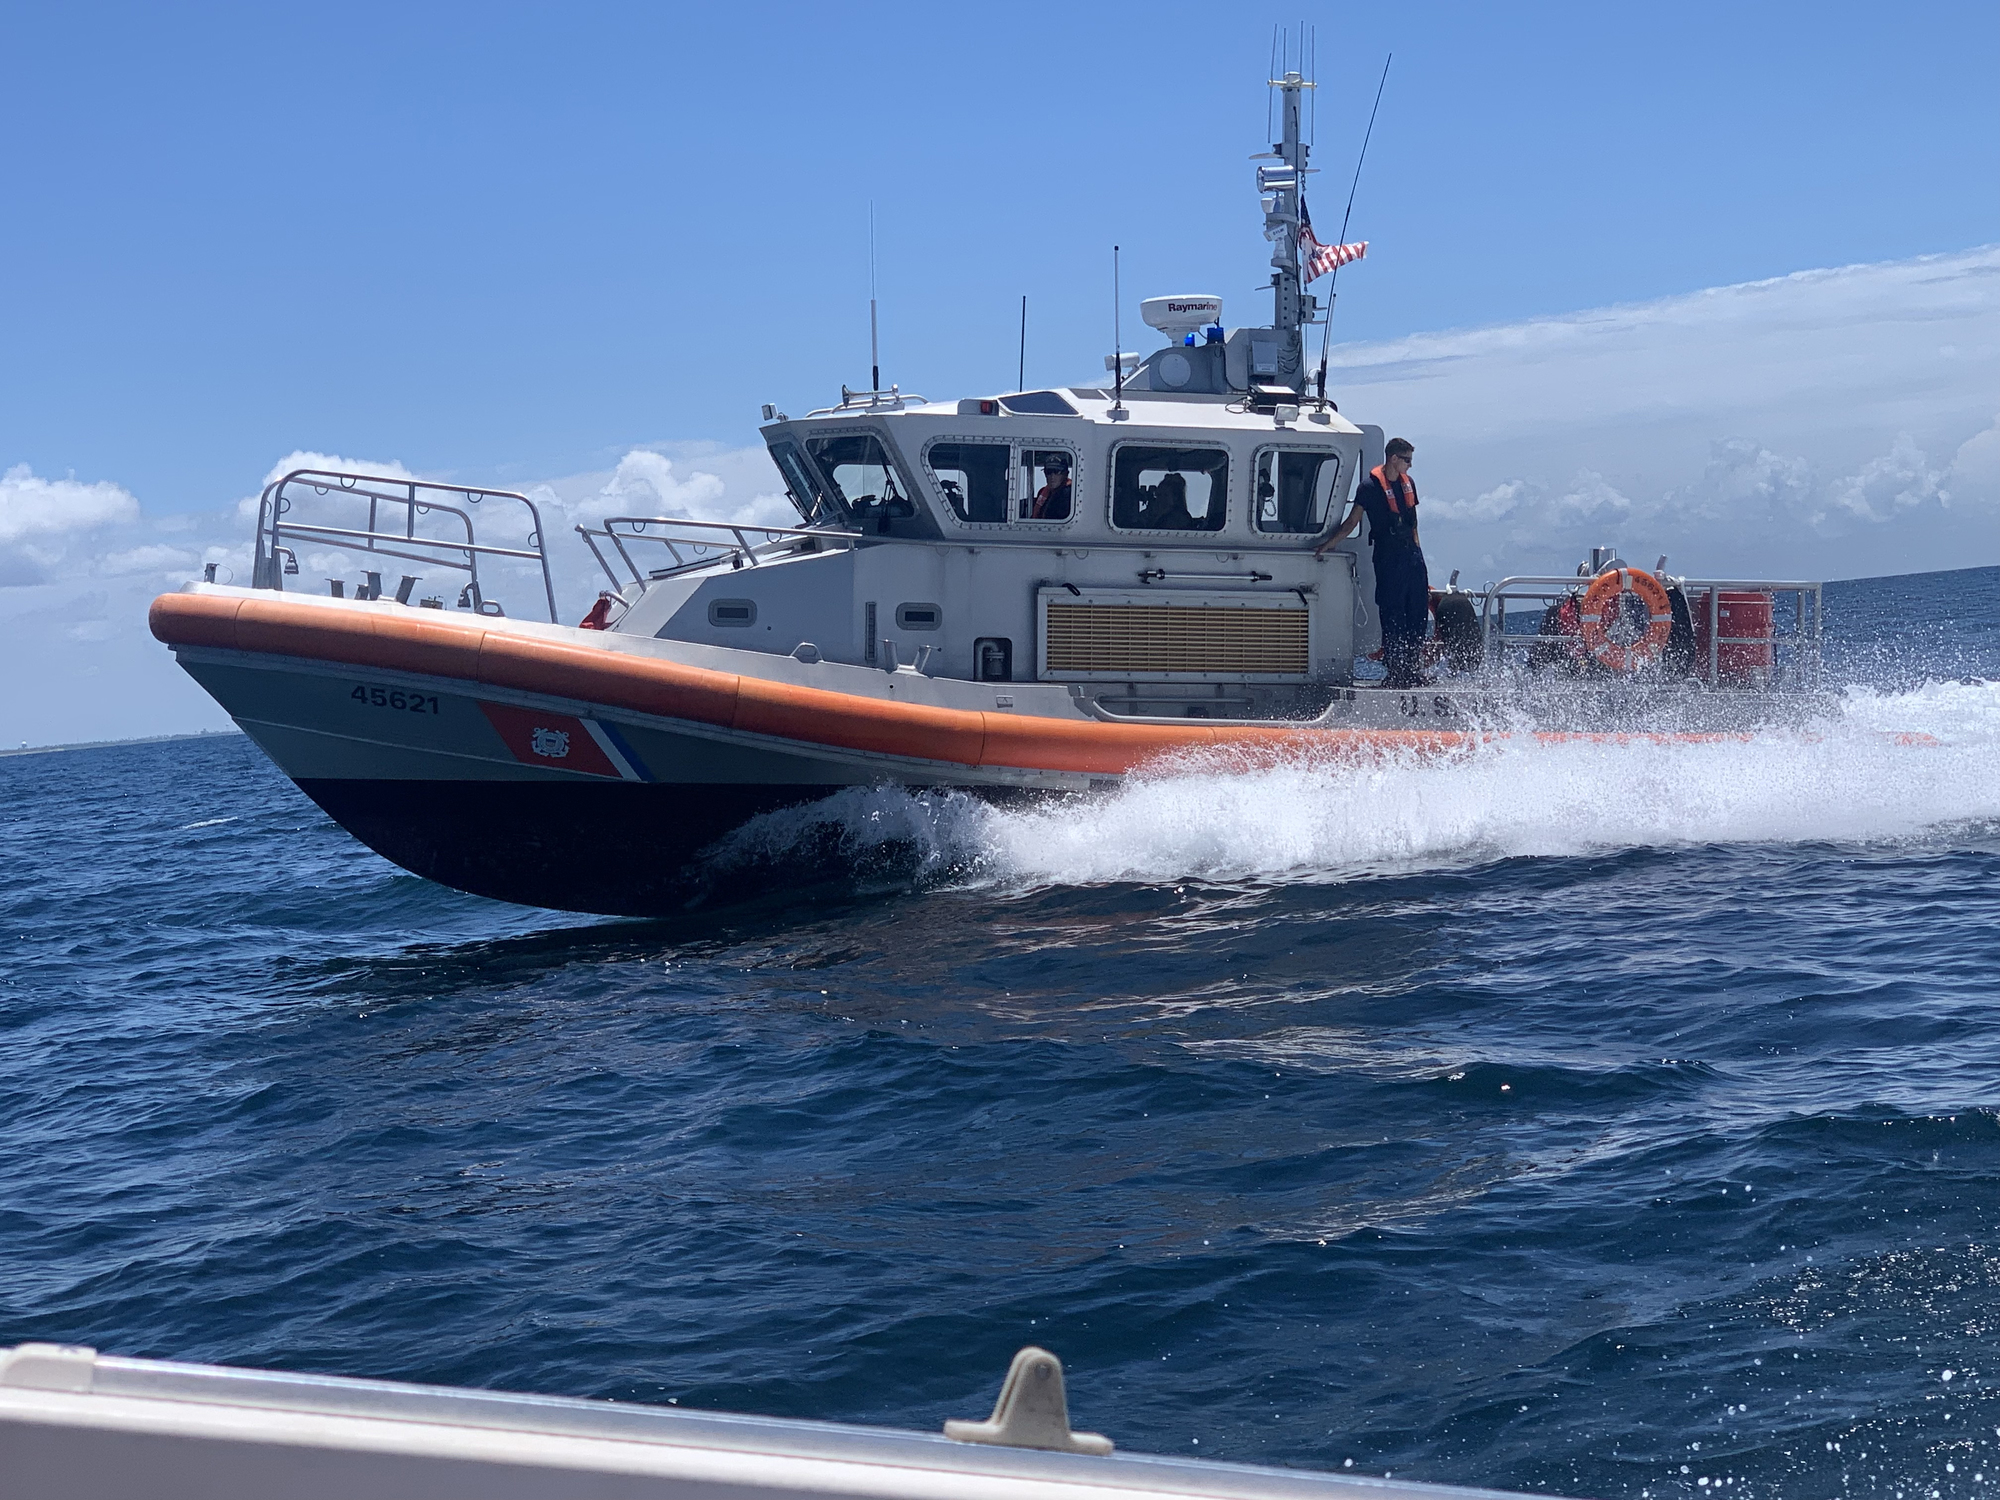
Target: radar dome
[[1175, 316]]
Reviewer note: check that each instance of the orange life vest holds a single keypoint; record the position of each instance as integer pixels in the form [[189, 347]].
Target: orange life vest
[[1393, 494]]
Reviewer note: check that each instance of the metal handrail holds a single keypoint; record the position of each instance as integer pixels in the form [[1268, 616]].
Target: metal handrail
[[273, 529], [1805, 640], [744, 552], [893, 399]]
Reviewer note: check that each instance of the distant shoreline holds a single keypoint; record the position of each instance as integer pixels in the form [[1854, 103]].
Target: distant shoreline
[[1920, 573], [144, 739]]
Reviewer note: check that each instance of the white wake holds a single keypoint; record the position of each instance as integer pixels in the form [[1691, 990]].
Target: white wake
[[1887, 766]]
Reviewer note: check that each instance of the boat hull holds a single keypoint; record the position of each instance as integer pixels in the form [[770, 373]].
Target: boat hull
[[616, 849]]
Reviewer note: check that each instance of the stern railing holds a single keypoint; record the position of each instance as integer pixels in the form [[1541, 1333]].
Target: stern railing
[[402, 519], [1795, 652]]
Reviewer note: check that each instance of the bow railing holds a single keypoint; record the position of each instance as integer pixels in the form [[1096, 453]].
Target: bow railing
[[376, 515]]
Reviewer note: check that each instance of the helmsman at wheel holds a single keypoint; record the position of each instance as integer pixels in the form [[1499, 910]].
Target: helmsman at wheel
[[1388, 497]]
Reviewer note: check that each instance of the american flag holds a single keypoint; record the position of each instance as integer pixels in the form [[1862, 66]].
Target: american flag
[[1318, 259]]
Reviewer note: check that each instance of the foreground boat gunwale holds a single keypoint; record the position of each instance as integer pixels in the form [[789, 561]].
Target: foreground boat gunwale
[[204, 1416]]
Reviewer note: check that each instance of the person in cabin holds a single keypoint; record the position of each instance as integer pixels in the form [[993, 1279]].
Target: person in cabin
[[1388, 497], [1169, 508], [1052, 500]]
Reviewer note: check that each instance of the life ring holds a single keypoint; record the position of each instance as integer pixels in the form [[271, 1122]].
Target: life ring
[[1627, 619]]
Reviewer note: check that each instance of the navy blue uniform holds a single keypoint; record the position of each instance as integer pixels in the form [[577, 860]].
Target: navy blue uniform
[[1402, 583]]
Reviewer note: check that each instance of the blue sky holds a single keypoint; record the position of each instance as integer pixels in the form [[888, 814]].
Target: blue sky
[[513, 241]]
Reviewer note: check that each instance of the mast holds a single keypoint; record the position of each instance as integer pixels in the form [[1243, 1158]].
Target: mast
[[874, 343], [1280, 187]]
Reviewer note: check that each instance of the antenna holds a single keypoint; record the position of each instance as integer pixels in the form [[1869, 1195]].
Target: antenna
[[1332, 287], [1268, 96], [1117, 339], [1311, 70], [874, 345], [1021, 375], [1355, 186]]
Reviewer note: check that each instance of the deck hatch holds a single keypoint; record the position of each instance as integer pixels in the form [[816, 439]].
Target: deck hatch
[[1182, 635]]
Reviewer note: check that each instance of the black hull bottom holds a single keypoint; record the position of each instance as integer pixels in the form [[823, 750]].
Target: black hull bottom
[[615, 848]]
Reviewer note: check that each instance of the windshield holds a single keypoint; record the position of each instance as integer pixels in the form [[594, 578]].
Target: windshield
[[862, 481]]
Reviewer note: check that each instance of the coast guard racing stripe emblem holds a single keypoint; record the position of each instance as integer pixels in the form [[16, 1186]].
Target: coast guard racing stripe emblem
[[563, 742]]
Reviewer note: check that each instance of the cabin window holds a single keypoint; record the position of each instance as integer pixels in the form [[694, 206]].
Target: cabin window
[[801, 487], [863, 481], [1170, 489], [738, 612], [919, 616], [1047, 484], [1296, 491], [972, 477]]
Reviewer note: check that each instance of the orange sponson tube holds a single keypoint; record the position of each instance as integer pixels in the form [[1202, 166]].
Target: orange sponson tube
[[470, 651]]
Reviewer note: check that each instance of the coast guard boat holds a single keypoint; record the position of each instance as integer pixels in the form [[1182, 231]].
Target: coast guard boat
[[1033, 591]]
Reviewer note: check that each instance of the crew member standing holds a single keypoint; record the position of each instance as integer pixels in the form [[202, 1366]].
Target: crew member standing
[[1388, 497]]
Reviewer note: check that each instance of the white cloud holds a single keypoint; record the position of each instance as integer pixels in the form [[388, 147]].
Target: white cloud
[[1745, 479], [729, 485], [1591, 498], [1974, 475], [32, 506], [1785, 425], [644, 484], [306, 458], [701, 482], [153, 558], [1887, 485], [1496, 504]]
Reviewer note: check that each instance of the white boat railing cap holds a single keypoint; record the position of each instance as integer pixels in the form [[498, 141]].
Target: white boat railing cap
[[906, 1460]]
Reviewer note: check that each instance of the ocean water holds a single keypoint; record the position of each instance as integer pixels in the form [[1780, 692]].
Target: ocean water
[[1612, 1120]]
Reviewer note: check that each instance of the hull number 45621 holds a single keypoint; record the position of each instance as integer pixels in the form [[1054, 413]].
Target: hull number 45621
[[415, 703]]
